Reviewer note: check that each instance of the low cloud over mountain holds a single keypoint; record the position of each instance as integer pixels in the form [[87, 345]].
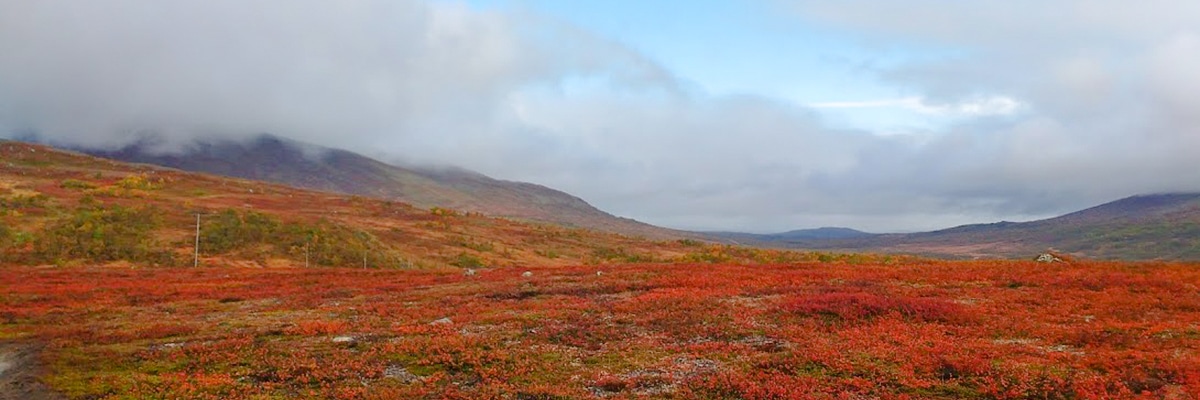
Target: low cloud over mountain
[[1098, 103]]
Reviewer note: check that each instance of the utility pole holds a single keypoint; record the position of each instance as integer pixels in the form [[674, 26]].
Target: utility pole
[[196, 258]]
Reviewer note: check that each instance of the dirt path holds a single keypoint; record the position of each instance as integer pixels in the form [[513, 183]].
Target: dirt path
[[19, 371]]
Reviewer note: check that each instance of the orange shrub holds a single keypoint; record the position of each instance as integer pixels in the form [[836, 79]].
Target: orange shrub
[[312, 328], [859, 306]]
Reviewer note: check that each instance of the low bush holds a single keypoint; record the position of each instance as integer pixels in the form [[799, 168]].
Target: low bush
[[103, 234], [861, 306], [323, 243], [76, 184], [23, 201]]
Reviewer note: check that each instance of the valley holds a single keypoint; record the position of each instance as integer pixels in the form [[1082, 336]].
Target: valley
[[599, 200], [310, 294], [1145, 227]]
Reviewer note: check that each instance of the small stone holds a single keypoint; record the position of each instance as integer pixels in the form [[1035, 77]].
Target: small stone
[[400, 373], [442, 321], [469, 272], [343, 339], [527, 274], [599, 273], [167, 346]]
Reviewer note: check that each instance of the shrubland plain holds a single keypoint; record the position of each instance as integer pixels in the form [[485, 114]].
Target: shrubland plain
[[912, 329], [301, 294]]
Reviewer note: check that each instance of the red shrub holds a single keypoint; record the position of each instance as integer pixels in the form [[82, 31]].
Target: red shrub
[[159, 331], [859, 306], [310, 328]]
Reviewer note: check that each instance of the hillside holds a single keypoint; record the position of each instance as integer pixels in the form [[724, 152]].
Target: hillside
[[279, 160], [435, 303], [59, 207], [1157, 226]]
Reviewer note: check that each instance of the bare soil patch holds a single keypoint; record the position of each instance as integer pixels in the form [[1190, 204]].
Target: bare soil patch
[[19, 372]]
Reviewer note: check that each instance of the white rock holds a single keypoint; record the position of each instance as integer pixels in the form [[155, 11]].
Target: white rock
[[527, 274], [343, 339], [1048, 258], [442, 321], [469, 272]]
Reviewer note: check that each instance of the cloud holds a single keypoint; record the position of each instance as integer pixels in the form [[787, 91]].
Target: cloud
[[1052, 106], [985, 106], [1106, 97], [364, 72]]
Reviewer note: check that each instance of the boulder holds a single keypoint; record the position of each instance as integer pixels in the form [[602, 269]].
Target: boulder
[[1047, 258]]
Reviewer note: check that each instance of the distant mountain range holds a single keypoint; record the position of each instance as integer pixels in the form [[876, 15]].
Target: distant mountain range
[[792, 236], [1156, 226], [275, 159]]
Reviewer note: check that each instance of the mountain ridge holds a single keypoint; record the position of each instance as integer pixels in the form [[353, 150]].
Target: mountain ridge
[[280, 160], [826, 232], [1145, 226], [61, 207]]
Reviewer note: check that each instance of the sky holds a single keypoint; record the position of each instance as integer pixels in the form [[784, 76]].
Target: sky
[[758, 115]]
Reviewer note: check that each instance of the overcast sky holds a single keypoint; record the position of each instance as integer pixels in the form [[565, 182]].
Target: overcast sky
[[759, 116]]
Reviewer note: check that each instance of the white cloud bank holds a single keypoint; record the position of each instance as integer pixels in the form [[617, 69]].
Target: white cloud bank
[[977, 107], [1062, 104]]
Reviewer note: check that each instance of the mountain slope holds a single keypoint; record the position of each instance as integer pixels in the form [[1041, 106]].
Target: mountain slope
[[1156, 226], [60, 207], [279, 160]]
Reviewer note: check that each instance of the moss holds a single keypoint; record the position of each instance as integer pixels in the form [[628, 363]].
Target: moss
[[93, 373], [951, 391], [425, 370]]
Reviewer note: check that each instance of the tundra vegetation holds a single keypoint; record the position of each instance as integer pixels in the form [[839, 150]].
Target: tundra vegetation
[[96, 270], [911, 329]]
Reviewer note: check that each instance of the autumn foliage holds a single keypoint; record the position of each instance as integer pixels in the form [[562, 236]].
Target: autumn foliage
[[68, 209], [914, 329], [95, 271]]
